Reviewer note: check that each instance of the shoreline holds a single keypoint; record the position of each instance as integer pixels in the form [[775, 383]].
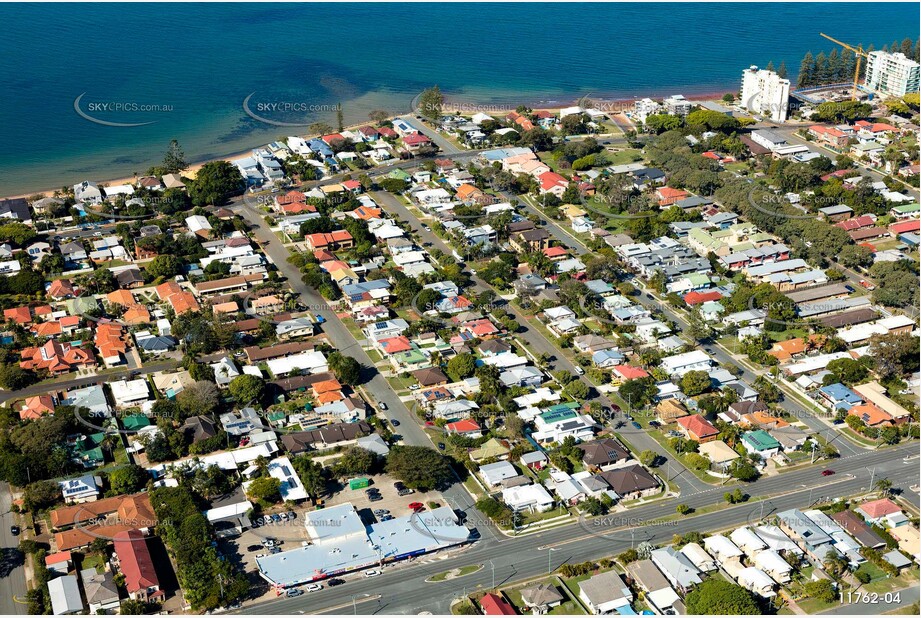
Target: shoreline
[[463, 106]]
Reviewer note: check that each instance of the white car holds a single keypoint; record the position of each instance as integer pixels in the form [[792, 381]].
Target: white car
[[371, 573], [313, 587]]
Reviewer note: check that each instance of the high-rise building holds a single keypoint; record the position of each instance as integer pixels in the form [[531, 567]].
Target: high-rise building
[[765, 92], [677, 105], [892, 74], [645, 108]]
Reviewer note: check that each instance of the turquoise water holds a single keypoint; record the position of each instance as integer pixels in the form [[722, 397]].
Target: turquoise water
[[198, 62]]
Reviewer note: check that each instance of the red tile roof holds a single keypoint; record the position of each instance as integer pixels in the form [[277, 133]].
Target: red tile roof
[[135, 561], [697, 425], [629, 372], [20, 315], [463, 426], [494, 605], [880, 508], [394, 345], [905, 226], [697, 298]]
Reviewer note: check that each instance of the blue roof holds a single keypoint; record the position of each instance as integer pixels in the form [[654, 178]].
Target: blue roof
[[841, 396]]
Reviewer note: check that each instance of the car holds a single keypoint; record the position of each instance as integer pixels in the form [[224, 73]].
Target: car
[[414, 387], [313, 587], [441, 446], [292, 515], [580, 371], [335, 582], [372, 490], [14, 530], [867, 284], [275, 550], [386, 517], [416, 505], [394, 422], [429, 424], [294, 592], [254, 548], [398, 485], [406, 491], [371, 573], [276, 518], [375, 497], [655, 424], [649, 296], [383, 406], [261, 555], [827, 472], [636, 425], [271, 540], [284, 516], [381, 511]]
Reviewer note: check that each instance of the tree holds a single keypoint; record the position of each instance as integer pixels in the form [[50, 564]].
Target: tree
[[430, 103], [895, 355], [355, 460], [461, 366], [247, 389], [198, 398], [419, 467], [13, 377], [346, 368], [743, 470], [883, 486], [639, 392], [164, 266], [174, 159], [17, 233], [648, 458], [577, 389], [378, 116], [128, 479], [683, 509], [720, 597], [822, 590], [806, 68], [695, 382], [41, 495], [215, 182], [265, 489]]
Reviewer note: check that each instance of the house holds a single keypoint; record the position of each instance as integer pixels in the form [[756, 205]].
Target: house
[[680, 364], [761, 443], [540, 598], [631, 482], [677, 568], [199, 428], [722, 549], [490, 449], [494, 605], [37, 406], [60, 562], [809, 536], [696, 427], [493, 474], [883, 512], [57, 358], [658, 592], [606, 593], [622, 373], [699, 557], [670, 410], [535, 460], [81, 490], [857, 528], [137, 565], [603, 454], [65, 595], [757, 581], [100, 590], [466, 427], [293, 328], [531, 498], [719, 454]]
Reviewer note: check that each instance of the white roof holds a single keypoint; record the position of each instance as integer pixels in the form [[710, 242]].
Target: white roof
[[525, 495], [769, 560], [124, 391], [312, 361], [720, 546], [65, 595], [228, 510], [746, 540], [197, 222]]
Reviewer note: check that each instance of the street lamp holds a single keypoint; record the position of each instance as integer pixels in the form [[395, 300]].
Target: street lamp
[[550, 551], [492, 564], [354, 604]]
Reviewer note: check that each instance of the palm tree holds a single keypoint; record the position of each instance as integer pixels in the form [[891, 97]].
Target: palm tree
[[884, 486]]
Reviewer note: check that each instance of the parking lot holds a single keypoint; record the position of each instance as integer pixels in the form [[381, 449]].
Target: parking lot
[[291, 533]]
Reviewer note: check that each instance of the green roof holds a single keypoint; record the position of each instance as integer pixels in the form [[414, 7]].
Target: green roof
[[760, 440], [81, 304], [399, 174], [698, 278], [905, 209], [278, 415], [135, 422]]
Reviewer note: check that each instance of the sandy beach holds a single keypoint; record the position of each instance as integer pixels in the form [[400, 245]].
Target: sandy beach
[[451, 105]]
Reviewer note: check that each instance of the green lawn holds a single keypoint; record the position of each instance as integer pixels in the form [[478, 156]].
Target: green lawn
[[465, 570], [622, 157], [566, 608]]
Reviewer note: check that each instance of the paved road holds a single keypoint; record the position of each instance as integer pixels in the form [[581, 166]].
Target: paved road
[[404, 590], [12, 572], [38, 389], [536, 343], [374, 383]]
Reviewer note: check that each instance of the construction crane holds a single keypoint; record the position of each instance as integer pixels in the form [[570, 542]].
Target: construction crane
[[859, 53]]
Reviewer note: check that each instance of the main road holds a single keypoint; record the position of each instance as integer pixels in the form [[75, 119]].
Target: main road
[[12, 571], [402, 589]]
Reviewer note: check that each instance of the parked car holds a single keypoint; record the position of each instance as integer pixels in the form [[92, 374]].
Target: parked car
[[441, 446], [382, 405], [386, 517], [14, 530], [371, 573], [313, 587], [394, 422], [637, 425], [293, 592], [406, 491], [580, 371], [276, 518], [335, 582], [375, 497], [292, 515]]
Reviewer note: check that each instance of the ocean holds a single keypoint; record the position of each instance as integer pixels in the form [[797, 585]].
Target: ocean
[[183, 71]]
